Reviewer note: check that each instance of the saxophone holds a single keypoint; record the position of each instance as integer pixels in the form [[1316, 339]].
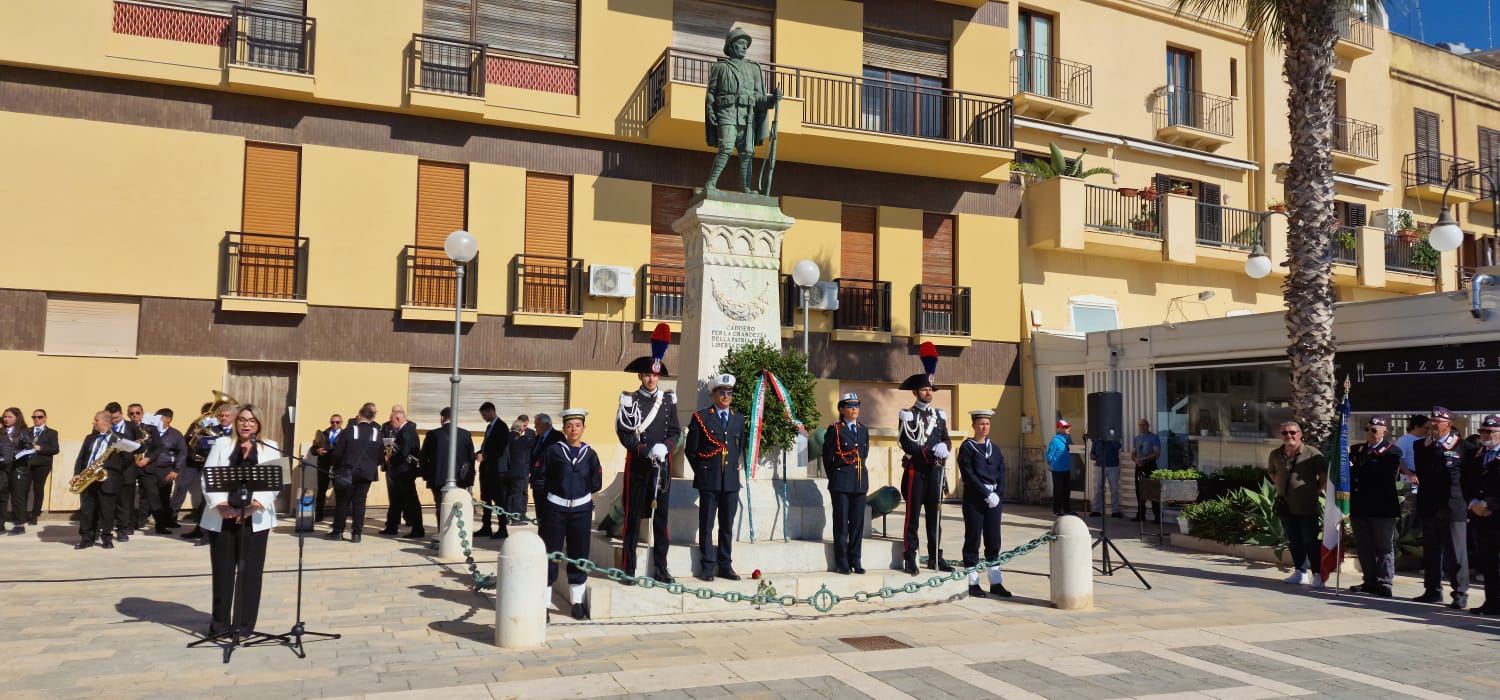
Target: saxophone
[[93, 473]]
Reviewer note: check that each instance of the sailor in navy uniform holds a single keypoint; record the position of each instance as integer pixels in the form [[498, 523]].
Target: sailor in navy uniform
[[1484, 504], [648, 429], [923, 434], [982, 469], [572, 475], [1374, 507], [715, 449], [846, 447]]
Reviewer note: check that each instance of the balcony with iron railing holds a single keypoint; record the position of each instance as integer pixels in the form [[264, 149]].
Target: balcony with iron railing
[[1050, 88], [272, 40], [941, 310], [662, 288], [429, 282], [850, 121], [258, 267], [864, 306], [1410, 255], [1356, 37], [1121, 210], [1344, 248], [546, 286], [1425, 175], [1193, 118], [445, 66], [1356, 144], [1228, 227]]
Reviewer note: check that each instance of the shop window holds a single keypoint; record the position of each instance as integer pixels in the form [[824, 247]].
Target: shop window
[[1214, 417]]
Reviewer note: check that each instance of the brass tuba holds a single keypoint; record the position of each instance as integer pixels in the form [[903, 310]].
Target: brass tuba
[[208, 422]]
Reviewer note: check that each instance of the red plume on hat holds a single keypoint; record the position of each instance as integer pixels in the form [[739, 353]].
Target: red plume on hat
[[661, 338], [928, 353]]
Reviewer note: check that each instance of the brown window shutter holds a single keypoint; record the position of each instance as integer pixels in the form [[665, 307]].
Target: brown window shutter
[[548, 212], [937, 249], [857, 243], [701, 25], [668, 204], [448, 19], [905, 53], [442, 202], [267, 264]]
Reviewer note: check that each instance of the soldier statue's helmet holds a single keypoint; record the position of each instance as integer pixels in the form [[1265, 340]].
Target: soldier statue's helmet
[[734, 35]]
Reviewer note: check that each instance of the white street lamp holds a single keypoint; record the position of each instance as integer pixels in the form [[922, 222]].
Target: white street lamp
[[805, 274], [461, 248], [1258, 265]]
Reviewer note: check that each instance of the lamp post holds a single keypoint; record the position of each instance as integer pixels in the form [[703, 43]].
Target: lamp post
[[805, 274], [1258, 265], [461, 249], [1447, 236]]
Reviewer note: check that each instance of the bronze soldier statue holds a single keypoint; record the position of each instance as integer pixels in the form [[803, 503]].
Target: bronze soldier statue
[[735, 113]]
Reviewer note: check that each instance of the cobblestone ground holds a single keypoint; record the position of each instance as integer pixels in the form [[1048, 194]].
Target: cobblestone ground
[[114, 623]]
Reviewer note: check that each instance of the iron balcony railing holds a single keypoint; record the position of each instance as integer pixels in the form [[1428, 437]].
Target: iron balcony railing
[[1345, 245], [1356, 30], [445, 65], [263, 266], [1410, 255], [941, 309], [1356, 138], [858, 103], [1179, 106], [1227, 227], [1050, 76], [429, 277], [864, 305], [549, 285], [662, 289], [274, 40], [1431, 168], [1117, 211]]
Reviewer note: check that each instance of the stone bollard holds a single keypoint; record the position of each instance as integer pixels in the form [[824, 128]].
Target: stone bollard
[[1072, 564], [450, 548], [521, 588]]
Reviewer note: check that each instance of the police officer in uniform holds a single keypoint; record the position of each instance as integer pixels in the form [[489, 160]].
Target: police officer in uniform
[[923, 433], [715, 449], [648, 429], [571, 475], [1442, 508], [1484, 504], [982, 469], [846, 446], [1374, 468]]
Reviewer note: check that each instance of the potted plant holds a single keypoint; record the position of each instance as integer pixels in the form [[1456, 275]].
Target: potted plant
[[1172, 485], [1127, 191], [1058, 166], [1249, 236], [1181, 188], [1424, 256], [1405, 228], [1346, 238], [1277, 205]]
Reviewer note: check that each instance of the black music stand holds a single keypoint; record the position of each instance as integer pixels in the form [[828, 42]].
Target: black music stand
[[243, 481]]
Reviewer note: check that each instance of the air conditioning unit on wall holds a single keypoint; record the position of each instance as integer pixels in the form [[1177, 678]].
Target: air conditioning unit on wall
[[611, 281], [823, 296]]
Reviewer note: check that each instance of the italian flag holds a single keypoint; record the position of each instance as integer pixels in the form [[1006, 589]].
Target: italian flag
[[1336, 501]]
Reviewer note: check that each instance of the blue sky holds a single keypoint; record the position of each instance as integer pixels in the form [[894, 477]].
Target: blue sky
[[1461, 21]]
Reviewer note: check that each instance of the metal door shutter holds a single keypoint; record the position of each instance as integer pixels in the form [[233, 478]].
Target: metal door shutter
[[548, 214], [91, 326], [513, 393], [701, 25], [937, 249], [537, 27], [442, 201], [906, 53], [857, 243], [668, 204]]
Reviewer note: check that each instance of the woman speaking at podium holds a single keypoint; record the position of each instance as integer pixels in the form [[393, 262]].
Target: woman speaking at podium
[[225, 517]]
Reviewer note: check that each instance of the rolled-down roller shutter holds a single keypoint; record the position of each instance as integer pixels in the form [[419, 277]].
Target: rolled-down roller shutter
[[905, 53], [537, 27], [267, 263], [448, 19], [442, 198], [702, 25], [513, 393], [857, 243], [937, 249], [548, 283], [668, 204]]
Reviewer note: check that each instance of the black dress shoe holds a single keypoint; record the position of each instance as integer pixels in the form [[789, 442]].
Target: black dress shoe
[[628, 581], [729, 574], [842, 570], [18, 530], [84, 544], [356, 537], [335, 535], [497, 535], [31, 521], [706, 577], [1357, 588], [484, 532], [1459, 602], [388, 531], [1382, 592], [944, 566], [416, 534], [1486, 609], [195, 534], [910, 567], [999, 590], [107, 544], [1428, 597], [663, 576], [975, 591], [859, 570], [580, 611], [123, 537], [163, 530]]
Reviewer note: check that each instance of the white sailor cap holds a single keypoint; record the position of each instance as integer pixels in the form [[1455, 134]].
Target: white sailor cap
[[579, 413], [720, 380], [981, 413]]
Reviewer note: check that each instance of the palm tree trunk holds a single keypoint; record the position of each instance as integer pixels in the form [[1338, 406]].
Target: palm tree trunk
[[1309, 33]]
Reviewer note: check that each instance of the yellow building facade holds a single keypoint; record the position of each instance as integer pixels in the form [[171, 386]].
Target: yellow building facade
[[252, 195]]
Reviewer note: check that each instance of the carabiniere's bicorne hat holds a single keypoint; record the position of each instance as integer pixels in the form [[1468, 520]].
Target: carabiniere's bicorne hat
[[929, 355], [660, 339]]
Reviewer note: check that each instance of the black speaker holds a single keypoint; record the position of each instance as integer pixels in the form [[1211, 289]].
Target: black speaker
[[1106, 422]]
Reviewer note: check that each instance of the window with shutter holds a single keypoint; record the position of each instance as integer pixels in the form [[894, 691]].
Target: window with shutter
[[1210, 214], [906, 53], [535, 27], [667, 278], [857, 243], [91, 327], [547, 280], [1489, 159], [267, 263], [1429, 148], [442, 206], [937, 249], [701, 25], [448, 19]]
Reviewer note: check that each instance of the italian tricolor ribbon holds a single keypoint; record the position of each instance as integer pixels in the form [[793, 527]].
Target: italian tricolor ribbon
[[757, 416]]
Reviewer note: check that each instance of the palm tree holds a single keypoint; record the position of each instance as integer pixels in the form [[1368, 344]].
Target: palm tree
[[1307, 31]]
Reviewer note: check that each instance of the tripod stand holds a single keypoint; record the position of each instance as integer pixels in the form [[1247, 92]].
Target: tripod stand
[[293, 638], [1104, 544], [244, 482]]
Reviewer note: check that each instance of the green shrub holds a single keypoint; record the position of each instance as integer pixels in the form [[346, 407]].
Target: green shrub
[[1216, 520], [1247, 516], [1246, 472], [1177, 474], [790, 366]]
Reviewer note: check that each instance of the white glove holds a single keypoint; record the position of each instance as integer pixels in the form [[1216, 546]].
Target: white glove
[[940, 450], [992, 500], [658, 451]]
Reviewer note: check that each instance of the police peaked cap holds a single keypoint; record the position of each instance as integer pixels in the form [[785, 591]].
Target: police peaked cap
[[647, 365], [917, 381]]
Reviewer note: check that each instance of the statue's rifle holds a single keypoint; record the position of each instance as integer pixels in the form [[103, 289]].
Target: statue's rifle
[[768, 169]]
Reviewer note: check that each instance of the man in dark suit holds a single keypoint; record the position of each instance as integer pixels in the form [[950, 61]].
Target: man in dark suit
[[1443, 509], [190, 480], [846, 446], [715, 449], [1484, 503], [147, 480], [545, 436], [357, 458], [323, 443], [97, 511], [435, 460], [125, 503], [517, 465], [39, 465], [492, 450], [171, 457], [401, 467]]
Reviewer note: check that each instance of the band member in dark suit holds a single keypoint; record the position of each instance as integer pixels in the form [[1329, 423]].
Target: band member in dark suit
[[147, 480], [1374, 468], [715, 449], [648, 429], [846, 446], [1484, 504], [171, 457], [15, 447], [1443, 508], [435, 460], [97, 512], [357, 457], [493, 456], [125, 504], [323, 443], [401, 468], [225, 518], [923, 434], [517, 467], [39, 465], [982, 469], [190, 481], [546, 435], [571, 475]]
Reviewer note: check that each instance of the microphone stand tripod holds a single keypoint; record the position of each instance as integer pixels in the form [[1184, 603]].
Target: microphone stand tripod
[[239, 480], [1105, 545]]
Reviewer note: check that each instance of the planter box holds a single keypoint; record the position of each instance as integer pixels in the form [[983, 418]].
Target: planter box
[[1248, 552], [1170, 490]]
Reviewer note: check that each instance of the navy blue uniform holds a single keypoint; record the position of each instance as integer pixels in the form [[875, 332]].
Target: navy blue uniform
[[1444, 512], [570, 477], [1485, 488], [715, 449], [981, 467], [844, 453], [643, 422], [922, 428]]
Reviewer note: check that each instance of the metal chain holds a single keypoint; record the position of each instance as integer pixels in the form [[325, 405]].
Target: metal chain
[[481, 582]]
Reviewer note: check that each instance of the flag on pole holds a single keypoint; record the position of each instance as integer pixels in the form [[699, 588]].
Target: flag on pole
[[1336, 499]]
